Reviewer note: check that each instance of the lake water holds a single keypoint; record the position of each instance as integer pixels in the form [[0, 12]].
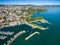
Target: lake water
[[47, 37]]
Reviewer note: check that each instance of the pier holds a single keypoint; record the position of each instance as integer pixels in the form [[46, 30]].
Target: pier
[[31, 35]]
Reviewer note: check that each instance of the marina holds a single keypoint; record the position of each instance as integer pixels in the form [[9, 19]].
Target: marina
[[15, 36], [6, 33]]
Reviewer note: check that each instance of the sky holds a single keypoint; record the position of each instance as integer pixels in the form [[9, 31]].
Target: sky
[[33, 2]]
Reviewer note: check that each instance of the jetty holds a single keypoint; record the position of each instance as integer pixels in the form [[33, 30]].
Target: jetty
[[33, 26], [31, 35]]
